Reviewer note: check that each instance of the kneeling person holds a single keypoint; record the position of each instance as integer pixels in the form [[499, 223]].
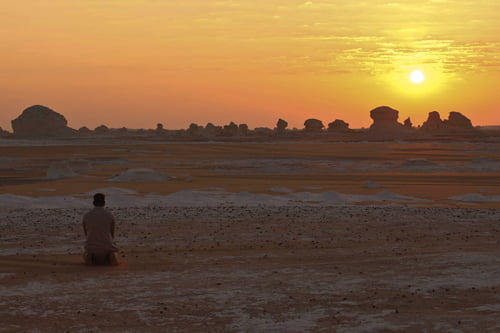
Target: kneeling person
[[99, 228]]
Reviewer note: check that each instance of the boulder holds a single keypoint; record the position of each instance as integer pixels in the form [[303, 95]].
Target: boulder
[[313, 126], [338, 125], [39, 121]]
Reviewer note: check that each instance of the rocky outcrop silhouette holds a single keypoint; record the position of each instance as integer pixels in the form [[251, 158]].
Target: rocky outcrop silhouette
[[386, 126], [281, 126], [3, 133], [385, 119], [313, 126], [338, 125], [211, 130], [243, 129], [159, 129], [455, 122], [407, 123], [39, 121], [433, 122], [230, 130], [194, 129], [84, 130], [102, 129]]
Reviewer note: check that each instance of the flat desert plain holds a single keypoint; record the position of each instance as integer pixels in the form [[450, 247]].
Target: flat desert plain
[[253, 237]]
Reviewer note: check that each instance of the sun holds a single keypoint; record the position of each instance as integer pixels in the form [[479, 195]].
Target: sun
[[417, 77]]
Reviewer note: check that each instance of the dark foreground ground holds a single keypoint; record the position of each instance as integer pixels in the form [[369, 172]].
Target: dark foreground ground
[[236, 269]]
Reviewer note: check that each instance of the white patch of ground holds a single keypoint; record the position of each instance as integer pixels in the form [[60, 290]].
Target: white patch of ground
[[312, 188], [280, 189], [110, 191], [420, 165], [371, 184], [476, 197], [119, 197], [483, 164], [141, 175], [59, 170], [469, 270]]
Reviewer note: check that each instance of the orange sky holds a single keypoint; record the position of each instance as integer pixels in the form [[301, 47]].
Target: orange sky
[[136, 63]]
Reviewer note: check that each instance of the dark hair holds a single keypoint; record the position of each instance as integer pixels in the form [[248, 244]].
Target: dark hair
[[99, 200]]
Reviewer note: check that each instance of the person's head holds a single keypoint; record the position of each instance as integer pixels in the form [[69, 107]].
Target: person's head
[[99, 200]]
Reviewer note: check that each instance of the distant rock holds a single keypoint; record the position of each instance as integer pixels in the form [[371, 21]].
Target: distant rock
[[433, 122], [59, 170], [313, 126], [84, 130], [211, 130], [4, 134], [122, 131], [263, 131], [102, 129], [160, 130], [386, 126], [407, 123], [456, 121], [230, 130], [281, 126], [39, 121], [338, 126], [141, 175], [385, 119], [194, 129], [243, 129]]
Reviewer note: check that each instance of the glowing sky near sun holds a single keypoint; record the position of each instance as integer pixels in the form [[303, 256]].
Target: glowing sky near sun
[[135, 63]]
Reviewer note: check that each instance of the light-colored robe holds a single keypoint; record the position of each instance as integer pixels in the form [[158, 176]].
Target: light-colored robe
[[99, 227]]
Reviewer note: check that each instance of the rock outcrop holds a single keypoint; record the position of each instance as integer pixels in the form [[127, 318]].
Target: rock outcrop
[[84, 130], [39, 121], [338, 125], [313, 126], [281, 126], [407, 123], [433, 122], [385, 119], [102, 129], [455, 122], [230, 130], [3, 133]]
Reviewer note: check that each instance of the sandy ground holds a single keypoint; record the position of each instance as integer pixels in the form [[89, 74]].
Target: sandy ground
[[429, 265]]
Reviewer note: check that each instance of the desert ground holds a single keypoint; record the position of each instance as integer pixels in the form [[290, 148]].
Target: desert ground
[[253, 237]]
